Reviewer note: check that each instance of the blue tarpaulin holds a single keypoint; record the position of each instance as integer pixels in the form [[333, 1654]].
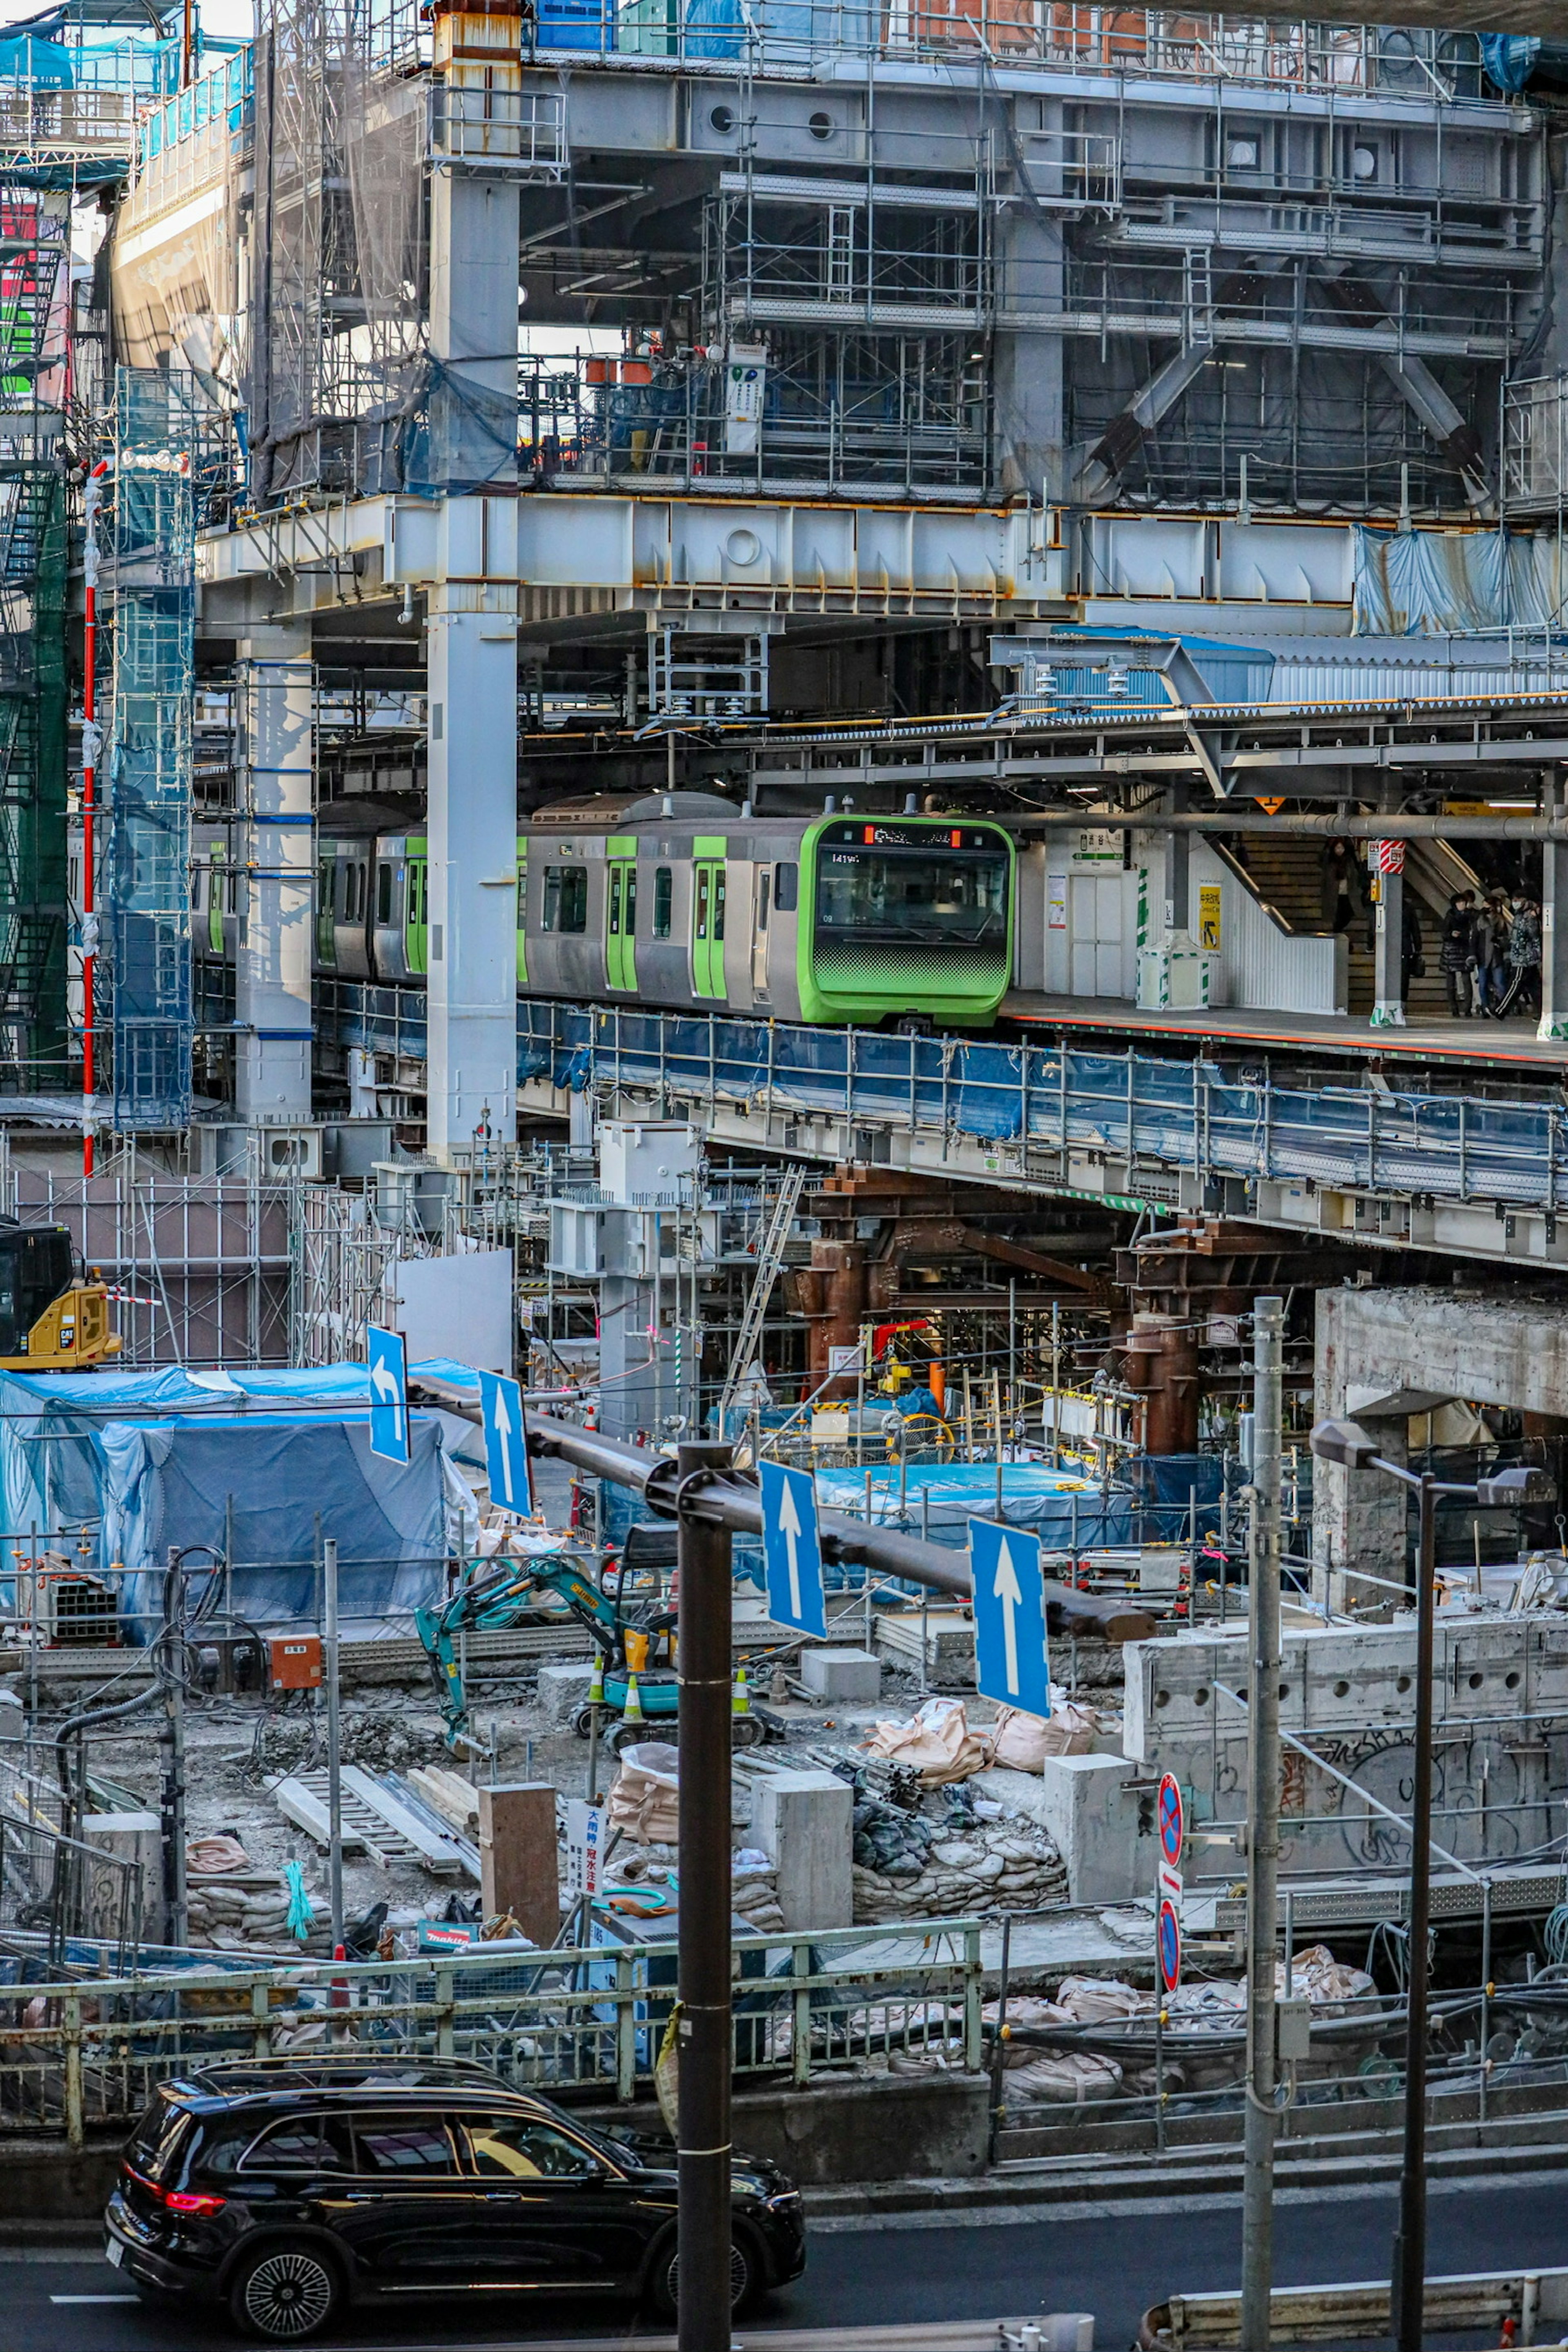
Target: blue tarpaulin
[[131, 1462]]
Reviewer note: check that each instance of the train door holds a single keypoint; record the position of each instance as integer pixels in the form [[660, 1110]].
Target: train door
[[522, 910], [326, 904], [216, 881], [621, 912], [708, 918], [762, 893], [1096, 934], [416, 908]]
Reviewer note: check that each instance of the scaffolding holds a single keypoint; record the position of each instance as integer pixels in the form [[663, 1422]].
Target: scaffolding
[[33, 917], [159, 428]]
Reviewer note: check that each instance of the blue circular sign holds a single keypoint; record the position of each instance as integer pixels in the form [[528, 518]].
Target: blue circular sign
[[1171, 1825], [1169, 1948]]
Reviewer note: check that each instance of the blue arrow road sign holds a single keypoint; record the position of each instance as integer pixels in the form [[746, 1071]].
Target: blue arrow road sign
[[791, 1550], [387, 1359], [1012, 1664], [506, 1443]]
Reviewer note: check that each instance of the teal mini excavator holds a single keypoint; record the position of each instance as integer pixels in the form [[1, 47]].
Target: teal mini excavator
[[633, 1644]]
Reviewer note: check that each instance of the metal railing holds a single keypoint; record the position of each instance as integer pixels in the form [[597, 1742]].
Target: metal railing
[[78, 2054], [1174, 2078]]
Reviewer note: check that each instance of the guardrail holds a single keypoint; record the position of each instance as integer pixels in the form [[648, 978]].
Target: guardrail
[[1172, 2082], [90, 2052], [1144, 1115]]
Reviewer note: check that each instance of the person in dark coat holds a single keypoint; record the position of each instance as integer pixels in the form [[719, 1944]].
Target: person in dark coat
[[1458, 951], [1524, 954], [1491, 951]]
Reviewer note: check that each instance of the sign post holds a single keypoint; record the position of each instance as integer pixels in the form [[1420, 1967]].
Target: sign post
[[506, 1444], [791, 1550], [1011, 1658], [1171, 1814], [386, 1359]]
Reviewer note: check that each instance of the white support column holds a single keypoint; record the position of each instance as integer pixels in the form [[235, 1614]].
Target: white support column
[[275, 842], [1388, 952], [471, 1070], [473, 329], [1554, 939]]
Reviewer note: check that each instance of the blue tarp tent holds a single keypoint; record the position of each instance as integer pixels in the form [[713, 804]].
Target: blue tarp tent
[[137, 1462], [1053, 1504]]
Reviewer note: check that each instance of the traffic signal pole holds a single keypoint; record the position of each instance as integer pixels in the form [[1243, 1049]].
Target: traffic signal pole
[[1263, 1826]]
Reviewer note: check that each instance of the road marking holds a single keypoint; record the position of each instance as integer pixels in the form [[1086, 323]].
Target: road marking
[[95, 2298]]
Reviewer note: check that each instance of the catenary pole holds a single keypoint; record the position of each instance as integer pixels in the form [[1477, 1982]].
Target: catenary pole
[[1263, 1827], [334, 1738]]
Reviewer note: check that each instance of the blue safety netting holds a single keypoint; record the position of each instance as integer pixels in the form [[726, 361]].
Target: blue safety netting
[[1132, 1108], [940, 1498], [115, 1467]]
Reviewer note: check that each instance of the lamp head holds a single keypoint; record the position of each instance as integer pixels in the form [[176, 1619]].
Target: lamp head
[[1344, 1442], [1524, 1485]]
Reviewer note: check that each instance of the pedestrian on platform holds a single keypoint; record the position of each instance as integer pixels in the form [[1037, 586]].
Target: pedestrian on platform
[[1524, 956], [1458, 952]]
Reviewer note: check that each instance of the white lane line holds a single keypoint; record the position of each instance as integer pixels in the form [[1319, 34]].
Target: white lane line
[[95, 2298]]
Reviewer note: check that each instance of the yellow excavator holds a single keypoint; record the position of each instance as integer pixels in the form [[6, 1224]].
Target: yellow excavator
[[53, 1318]]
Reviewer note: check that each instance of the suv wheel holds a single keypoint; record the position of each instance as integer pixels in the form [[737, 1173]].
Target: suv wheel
[[664, 2277], [284, 2293]]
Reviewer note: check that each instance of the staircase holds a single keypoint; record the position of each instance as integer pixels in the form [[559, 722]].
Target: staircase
[[1285, 873]]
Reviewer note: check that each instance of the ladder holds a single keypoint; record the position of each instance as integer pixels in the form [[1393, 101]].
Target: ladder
[[770, 1259]]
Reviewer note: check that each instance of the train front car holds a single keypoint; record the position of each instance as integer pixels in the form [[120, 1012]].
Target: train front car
[[904, 919]]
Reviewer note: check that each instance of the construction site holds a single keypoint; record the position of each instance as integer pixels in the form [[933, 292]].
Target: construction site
[[726, 948]]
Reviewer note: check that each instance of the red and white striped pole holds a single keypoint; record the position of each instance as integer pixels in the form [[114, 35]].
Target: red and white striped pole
[[91, 746]]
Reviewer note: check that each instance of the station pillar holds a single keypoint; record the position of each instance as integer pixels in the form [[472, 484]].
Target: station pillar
[[274, 847], [471, 727], [1554, 940]]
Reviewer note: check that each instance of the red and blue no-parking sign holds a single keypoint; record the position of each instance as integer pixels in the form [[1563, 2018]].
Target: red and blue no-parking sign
[[1170, 1942], [1171, 1820]]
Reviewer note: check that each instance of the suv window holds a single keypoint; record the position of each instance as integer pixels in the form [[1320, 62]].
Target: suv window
[[408, 2145], [157, 2140], [301, 2144], [518, 2148]]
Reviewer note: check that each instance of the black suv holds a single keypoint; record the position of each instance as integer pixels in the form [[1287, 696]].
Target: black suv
[[285, 2190]]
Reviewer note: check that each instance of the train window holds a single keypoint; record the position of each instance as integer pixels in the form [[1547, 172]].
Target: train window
[[326, 884], [615, 915], [718, 902], [565, 897], [663, 901], [382, 892], [900, 894], [630, 872], [763, 882], [786, 889]]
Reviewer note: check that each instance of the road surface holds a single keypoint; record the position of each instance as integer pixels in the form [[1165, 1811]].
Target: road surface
[[1113, 2260]]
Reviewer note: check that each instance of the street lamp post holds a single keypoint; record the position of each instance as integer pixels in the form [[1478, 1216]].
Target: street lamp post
[[1348, 1444]]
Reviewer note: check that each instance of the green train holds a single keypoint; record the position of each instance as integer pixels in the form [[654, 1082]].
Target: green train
[[683, 901]]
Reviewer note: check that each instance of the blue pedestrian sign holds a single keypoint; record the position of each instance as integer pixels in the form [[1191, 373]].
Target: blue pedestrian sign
[[791, 1550], [1012, 1664], [506, 1443], [387, 1359]]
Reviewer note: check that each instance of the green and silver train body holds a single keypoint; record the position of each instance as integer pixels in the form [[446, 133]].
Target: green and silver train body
[[686, 903]]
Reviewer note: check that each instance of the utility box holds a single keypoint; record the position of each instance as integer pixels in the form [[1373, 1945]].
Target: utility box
[[294, 1662], [648, 1163], [1177, 978], [519, 1868], [1292, 2030]]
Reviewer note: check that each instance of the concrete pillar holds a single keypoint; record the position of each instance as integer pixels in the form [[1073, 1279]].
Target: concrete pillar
[[1388, 1008], [1554, 940], [518, 1865], [473, 329], [471, 723], [1029, 396], [804, 1823], [274, 710], [647, 1358], [1178, 884]]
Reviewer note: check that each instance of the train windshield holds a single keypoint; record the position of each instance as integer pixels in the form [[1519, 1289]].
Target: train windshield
[[894, 884]]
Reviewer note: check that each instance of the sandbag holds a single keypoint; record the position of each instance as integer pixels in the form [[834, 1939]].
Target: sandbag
[[645, 1803], [1023, 1741], [937, 1743]]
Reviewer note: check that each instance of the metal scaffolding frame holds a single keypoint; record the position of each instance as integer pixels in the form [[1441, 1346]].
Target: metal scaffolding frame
[[157, 429]]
